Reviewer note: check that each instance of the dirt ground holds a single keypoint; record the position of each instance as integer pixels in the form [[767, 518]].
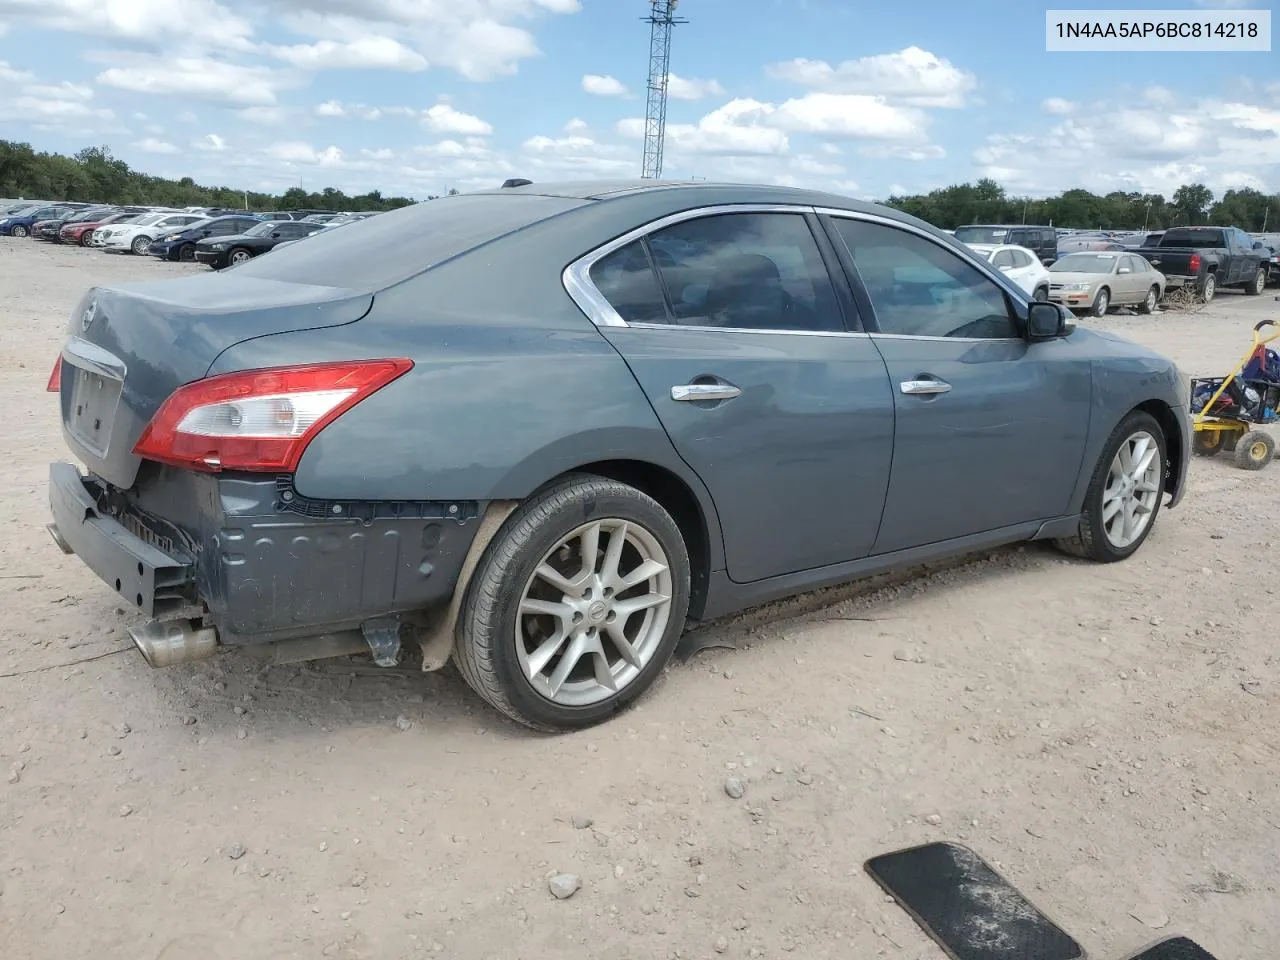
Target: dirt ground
[[1105, 735]]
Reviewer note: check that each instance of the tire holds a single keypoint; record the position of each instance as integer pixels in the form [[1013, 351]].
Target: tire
[[85, 238], [1148, 305], [492, 641], [1041, 293], [1101, 303], [19, 231], [1208, 443], [1258, 284], [187, 253], [1094, 541], [238, 255], [1255, 450], [140, 245], [1208, 287]]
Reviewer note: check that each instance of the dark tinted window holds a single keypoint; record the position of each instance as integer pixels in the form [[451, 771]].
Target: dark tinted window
[[754, 271], [1192, 237], [393, 246], [225, 228], [628, 282], [918, 288], [982, 234]]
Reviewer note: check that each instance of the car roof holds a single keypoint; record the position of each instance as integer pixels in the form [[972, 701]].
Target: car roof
[[750, 192]]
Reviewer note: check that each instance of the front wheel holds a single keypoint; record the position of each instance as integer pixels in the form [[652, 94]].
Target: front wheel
[[1209, 287], [1257, 284], [187, 253], [1149, 304], [576, 605], [140, 245], [1255, 450], [1101, 302], [239, 255], [1124, 493]]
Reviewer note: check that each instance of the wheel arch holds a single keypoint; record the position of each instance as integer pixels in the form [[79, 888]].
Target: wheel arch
[[1173, 445]]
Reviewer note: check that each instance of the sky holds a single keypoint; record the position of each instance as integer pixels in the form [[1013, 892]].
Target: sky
[[414, 97]]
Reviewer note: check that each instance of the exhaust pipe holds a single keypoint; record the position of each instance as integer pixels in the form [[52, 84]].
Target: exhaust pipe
[[164, 643]]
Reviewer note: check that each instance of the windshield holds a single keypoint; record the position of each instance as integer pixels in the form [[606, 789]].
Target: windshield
[[1084, 263], [981, 234], [263, 229], [88, 215]]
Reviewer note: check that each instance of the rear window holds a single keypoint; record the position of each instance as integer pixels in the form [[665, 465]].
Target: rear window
[[374, 253], [995, 235], [1182, 237]]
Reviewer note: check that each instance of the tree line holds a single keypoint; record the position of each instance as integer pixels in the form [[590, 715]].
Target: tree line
[[1193, 203], [94, 175]]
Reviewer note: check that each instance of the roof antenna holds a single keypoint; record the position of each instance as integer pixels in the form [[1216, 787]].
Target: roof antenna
[[515, 182]]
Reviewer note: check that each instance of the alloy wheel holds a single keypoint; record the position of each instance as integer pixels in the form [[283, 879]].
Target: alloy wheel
[[1132, 492], [594, 612]]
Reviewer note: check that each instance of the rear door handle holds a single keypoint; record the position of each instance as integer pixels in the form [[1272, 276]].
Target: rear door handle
[[705, 391], [917, 388]]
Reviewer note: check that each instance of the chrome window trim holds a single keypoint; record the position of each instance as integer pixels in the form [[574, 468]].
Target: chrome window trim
[[576, 277], [751, 330]]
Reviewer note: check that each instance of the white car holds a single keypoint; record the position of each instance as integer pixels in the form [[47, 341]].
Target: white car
[[137, 237], [1018, 264]]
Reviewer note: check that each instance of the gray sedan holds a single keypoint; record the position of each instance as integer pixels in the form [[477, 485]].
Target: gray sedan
[[540, 430]]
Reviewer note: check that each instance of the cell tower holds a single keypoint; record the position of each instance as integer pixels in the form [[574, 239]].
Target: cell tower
[[661, 19]]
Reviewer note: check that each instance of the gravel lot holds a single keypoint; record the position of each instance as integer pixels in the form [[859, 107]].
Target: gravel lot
[[1105, 735]]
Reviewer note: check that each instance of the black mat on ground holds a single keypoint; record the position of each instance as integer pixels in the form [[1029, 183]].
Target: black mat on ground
[[1175, 948], [967, 908]]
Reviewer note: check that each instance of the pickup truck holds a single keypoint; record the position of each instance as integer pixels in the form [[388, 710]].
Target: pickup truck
[[1209, 258]]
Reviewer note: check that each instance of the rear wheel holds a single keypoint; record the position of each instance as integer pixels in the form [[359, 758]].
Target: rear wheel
[[1101, 303], [1255, 450], [1207, 443], [1208, 287], [85, 238], [576, 605], [1041, 293], [1124, 493], [1257, 284], [1153, 297], [19, 231]]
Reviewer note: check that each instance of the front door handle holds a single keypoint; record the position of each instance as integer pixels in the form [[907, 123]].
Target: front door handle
[[705, 391], [917, 388]]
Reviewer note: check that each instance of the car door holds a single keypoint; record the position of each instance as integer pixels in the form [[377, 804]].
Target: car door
[[990, 428], [750, 356], [1125, 284]]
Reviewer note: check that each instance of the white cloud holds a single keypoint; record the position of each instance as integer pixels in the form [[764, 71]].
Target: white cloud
[[210, 143], [1058, 106], [599, 86], [269, 116], [741, 126], [331, 108], [298, 152], [202, 78], [10, 74], [678, 88], [912, 76], [369, 53], [37, 109], [850, 115], [443, 118], [575, 125], [152, 145], [186, 116], [62, 91], [576, 156], [380, 154], [146, 21]]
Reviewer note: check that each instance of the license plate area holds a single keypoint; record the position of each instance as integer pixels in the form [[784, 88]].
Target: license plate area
[[94, 402]]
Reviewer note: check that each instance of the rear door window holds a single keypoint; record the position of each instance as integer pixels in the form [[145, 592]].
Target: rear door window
[[626, 279]]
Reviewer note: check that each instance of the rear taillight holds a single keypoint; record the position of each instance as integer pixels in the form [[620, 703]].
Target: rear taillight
[[259, 420], [1194, 263], [55, 379]]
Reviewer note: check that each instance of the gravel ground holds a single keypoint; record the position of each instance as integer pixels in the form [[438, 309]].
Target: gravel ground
[[1105, 735]]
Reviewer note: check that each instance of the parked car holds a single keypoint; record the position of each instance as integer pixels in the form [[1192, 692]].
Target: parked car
[[137, 236], [51, 230], [82, 232], [1271, 241], [222, 252], [1020, 265], [1098, 280], [364, 442], [1208, 258], [274, 215], [1043, 241], [181, 245], [20, 222]]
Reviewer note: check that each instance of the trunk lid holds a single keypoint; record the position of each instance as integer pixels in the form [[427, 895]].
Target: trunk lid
[[131, 346], [1175, 261]]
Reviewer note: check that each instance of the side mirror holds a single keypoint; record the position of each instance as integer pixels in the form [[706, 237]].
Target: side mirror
[[275, 233], [1045, 321]]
